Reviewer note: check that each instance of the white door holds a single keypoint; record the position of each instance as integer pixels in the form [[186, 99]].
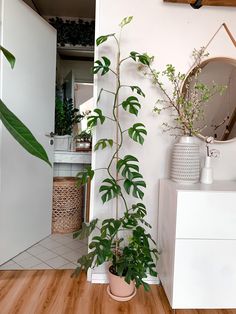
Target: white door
[[29, 91]]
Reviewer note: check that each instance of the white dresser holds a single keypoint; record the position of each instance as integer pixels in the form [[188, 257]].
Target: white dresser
[[197, 241]]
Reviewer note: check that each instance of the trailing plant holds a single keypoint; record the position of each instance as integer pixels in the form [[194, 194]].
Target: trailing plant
[[185, 96], [134, 253], [16, 127], [84, 136], [66, 116], [74, 32]]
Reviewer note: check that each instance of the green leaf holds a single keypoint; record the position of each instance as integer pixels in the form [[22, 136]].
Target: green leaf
[[22, 134], [142, 58], [132, 104], [103, 143], [104, 67], [110, 191], [133, 186], [126, 21], [140, 209], [136, 132], [10, 58], [128, 166], [103, 38], [93, 120], [86, 230], [84, 176], [137, 90]]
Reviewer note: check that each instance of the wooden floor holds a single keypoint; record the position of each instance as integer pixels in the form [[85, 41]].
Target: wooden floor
[[55, 292]]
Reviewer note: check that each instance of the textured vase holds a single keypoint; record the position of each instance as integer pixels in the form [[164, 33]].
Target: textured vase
[[185, 162]]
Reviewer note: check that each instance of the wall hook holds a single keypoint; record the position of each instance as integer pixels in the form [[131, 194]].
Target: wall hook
[[197, 4]]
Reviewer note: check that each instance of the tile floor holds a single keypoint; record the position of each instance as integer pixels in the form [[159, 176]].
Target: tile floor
[[58, 251]]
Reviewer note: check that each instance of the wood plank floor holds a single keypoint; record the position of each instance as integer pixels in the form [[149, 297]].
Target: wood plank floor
[[55, 292]]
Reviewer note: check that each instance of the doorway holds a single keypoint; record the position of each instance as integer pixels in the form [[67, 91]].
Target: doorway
[[74, 79]]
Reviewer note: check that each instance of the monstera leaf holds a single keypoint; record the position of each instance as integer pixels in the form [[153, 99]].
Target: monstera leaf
[[131, 104], [102, 66], [100, 40], [110, 190], [92, 121], [128, 166], [134, 186], [136, 132], [103, 143], [83, 177]]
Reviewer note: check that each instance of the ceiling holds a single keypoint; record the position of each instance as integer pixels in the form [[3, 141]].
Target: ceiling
[[68, 8]]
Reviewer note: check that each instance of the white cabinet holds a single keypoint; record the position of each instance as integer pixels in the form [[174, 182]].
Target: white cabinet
[[197, 241]]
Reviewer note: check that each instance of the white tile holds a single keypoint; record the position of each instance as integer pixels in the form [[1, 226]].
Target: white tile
[[64, 173], [21, 257], [68, 266], [64, 166], [61, 250], [10, 266], [49, 243], [41, 266], [57, 262], [75, 244], [36, 249], [44, 256], [63, 240], [29, 262], [72, 256]]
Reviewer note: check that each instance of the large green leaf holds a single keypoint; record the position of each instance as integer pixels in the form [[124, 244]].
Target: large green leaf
[[93, 120], [103, 143], [136, 132], [133, 186], [131, 104], [128, 166], [103, 66], [138, 90], [10, 58], [141, 57], [103, 38], [22, 134], [110, 190], [86, 230], [84, 176]]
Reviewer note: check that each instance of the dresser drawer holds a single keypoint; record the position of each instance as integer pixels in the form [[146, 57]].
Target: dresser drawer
[[206, 215]]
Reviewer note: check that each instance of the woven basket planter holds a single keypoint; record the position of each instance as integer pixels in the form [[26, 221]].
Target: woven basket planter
[[67, 205]]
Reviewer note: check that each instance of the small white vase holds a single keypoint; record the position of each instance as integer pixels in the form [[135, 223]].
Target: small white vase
[[185, 163], [207, 172], [62, 142]]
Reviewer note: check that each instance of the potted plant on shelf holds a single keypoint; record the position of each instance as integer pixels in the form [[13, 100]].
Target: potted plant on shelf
[[66, 116], [184, 98], [83, 140], [122, 240]]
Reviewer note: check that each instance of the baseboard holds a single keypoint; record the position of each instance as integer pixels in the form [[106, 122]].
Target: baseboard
[[102, 278]]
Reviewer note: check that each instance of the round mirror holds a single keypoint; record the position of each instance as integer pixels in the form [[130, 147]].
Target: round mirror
[[219, 113]]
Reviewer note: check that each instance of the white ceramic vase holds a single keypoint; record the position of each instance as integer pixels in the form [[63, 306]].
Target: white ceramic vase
[[185, 163]]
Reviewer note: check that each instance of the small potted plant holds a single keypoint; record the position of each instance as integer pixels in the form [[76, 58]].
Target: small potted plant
[[83, 140], [66, 116], [123, 240]]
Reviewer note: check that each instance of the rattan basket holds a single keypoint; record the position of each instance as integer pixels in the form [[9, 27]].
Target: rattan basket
[[67, 205]]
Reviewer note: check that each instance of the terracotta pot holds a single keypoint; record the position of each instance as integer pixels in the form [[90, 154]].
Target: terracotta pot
[[119, 288]]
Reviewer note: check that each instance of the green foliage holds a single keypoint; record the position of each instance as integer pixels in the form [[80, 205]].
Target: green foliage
[[103, 143], [110, 191], [126, 21], [131, 104], [104, 66], [132, 256], [92, 121], [16, 127], [65, 116], [84, 176], [136, 132], [84, 136], [103, 38]]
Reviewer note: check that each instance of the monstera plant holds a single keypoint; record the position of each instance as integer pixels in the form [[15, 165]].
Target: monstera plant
[[122, 240], [16, 128]]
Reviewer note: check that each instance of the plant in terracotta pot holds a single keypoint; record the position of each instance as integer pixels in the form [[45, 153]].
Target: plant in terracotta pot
[[183, 95], [121, 240], [66, 116]]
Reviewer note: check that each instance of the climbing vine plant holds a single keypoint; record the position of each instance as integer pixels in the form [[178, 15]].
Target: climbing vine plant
[[133, 257]]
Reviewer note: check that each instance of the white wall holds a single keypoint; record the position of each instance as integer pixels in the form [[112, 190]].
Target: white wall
[[82, 70], [170, 32]]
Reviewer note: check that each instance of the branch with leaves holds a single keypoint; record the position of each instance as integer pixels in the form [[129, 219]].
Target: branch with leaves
[[124, 181]]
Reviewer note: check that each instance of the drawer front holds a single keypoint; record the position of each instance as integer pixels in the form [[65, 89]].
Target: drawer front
[[204, 274], [206, 215]]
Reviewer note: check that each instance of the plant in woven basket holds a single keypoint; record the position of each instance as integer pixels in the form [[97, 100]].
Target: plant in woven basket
[[121, 240]]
